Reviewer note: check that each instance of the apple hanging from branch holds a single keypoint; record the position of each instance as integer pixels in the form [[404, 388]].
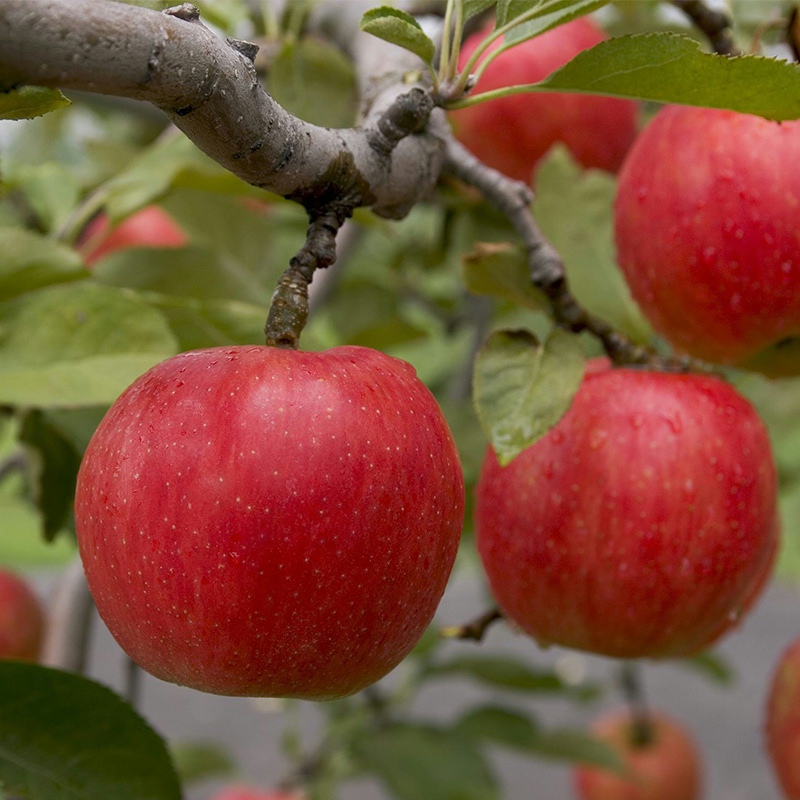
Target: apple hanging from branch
[[268, 522], [642, 525], [707, 236]]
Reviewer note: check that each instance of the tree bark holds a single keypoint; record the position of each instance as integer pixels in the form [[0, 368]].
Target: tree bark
[[209, 89]]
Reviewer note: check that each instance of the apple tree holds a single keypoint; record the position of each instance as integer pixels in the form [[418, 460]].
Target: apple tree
[[227, 230]]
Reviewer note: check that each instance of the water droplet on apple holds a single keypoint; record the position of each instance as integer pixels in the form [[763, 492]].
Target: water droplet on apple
[[597, 438]]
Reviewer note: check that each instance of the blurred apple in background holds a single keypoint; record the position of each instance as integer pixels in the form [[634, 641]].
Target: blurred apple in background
[[665, 765], [149, 227], [512, 133], [21, 619]]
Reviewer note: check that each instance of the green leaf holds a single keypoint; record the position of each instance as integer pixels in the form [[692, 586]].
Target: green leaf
[[191, 271], [506, 672], [474, 7], [31, 262], [512, 729], [417, 762], [197, 761], [508, 10], [500, 269], [169, 162], [522, 389], [56, 472], [585, 239], [499, 726], [712, 665], [315, 81], [215, 323], [77, 345], [63, 737], [50, 189], [400, 28], [566, 744], [551, 15], [28, 102], [670, 68]]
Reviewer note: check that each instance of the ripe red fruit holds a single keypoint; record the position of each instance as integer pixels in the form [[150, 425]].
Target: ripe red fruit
[[251, 793], [706, 231], [512, 133], [642, 525], [149, 227], [258, 521], [782, 727], [21, 619], [665, 768]]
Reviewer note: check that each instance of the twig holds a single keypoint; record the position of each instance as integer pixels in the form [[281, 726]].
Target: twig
[[630, 679], [69, 622], [474, 630], [713, 22], [513, 198]]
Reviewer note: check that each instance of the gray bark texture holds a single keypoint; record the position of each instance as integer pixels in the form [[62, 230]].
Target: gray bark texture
[[209, 89]]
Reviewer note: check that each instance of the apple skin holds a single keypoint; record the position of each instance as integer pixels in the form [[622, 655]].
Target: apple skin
[[251, 793], [707, 235], [21, 619], [667, 768], [265, 522], [782, 723], [644, 524], [149, 227], [512, 133]]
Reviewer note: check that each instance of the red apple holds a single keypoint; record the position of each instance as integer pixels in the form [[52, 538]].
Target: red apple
[[21, 619], [512, 133], [782, 726], [149, 227], [251, 793], [707, 235], [258, 521], [667, 767], [642, 525]]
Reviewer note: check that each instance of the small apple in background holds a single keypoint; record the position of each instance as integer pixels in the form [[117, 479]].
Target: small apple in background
[[265, 522], [149, 227], [252, 793], [21, 619], [512, 133], [707, 235], [782, 726], [642, 525], [667, 767]]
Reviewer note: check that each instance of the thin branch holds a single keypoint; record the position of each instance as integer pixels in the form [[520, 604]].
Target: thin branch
[[714, 23], [513, 199], [69, 622], [474, 630]]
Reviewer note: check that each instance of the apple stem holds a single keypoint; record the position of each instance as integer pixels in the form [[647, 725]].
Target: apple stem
[[632, 687], [474, 630], [288, 311], [713, 22]]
